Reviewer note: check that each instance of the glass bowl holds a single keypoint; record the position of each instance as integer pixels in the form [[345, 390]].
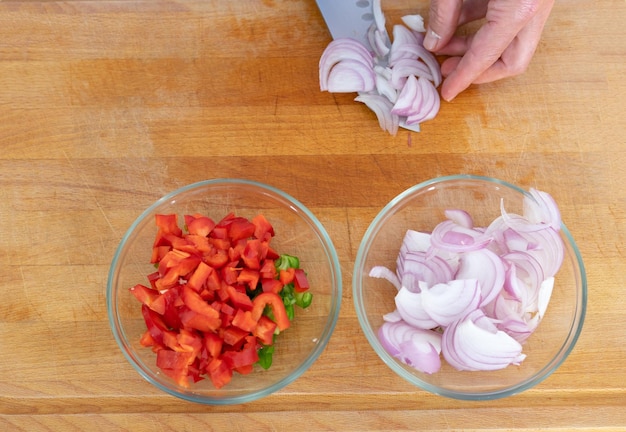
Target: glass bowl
[[297, 232], [420, 208]]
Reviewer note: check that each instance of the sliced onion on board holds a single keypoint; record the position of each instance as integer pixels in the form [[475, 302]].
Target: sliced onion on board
[[405, 96]]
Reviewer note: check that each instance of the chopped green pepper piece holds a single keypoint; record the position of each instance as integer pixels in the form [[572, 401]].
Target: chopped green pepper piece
[[304, 299], [287, 261], [265, 356]]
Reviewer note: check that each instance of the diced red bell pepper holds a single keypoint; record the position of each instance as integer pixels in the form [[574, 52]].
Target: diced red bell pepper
[[168, 223], [245, 357], [240, 228], [195, 303], [278, 308], [243, 320], [200, 225], [233, 336], [301, 282], [264, 330], [245, 370], [286, 276], [249, 277], [252, 254], [268, 269], [152, 278], [149, 297], [199, 317], [200, 276], [189, 342], [271, 285], [239, 300], [219, 233], [219, 372], [271, 253], [147, 340], [263, 229], [213, 344], [175, 365], [158, 252], [199, 243], [230, 272], [194, 320], [226, 220], [172, 300], [155, 324]]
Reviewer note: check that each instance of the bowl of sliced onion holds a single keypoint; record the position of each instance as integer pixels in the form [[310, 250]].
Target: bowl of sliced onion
[[470, 287]]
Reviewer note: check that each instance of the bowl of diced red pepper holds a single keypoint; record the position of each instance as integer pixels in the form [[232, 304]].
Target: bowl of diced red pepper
[[224, 291]]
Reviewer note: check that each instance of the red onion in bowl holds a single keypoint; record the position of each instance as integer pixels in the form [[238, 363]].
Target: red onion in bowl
[[485, 289]]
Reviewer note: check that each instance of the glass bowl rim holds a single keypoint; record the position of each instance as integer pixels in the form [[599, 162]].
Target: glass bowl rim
[[536, 378], [336, 277]]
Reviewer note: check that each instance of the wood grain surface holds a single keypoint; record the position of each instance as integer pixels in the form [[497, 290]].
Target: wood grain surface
[[107, 105]]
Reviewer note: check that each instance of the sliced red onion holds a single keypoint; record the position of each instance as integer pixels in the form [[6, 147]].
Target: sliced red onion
[[407, 44], [487, 289], [382, 108], [545, 293], [430, 103], [414, 22], [409, 306], [403, 45], [379, 16], [524, 278], [423, 267], [350, 76], [392, 316], [417, 348], [513, 320], [452, 237], [449, 302], [387, 73], [380, 43], [406, 68], [419, 355], [385, 273], [460, 217], [385, 88], [469, 346], [346, 50], [487, 268], [542, 210], [545, 245], [518, 330], [415, 241]]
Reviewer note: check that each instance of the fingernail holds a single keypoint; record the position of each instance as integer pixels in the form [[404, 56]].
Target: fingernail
[[431, 40]]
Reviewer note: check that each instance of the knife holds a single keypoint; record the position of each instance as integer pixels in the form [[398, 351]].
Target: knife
[[348, 18]]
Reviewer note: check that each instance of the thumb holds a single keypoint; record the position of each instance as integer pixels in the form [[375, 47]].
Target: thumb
[[443, 19]]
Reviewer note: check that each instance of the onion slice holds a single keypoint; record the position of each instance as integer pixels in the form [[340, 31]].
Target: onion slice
[[487, 268], [409, 306], [449, 302], [471, 346], [415, 347]]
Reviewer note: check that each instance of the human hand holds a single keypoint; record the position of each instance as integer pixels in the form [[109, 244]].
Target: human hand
[[502, 47]]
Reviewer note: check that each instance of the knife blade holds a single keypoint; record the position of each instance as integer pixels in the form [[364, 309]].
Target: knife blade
[[348, 18]]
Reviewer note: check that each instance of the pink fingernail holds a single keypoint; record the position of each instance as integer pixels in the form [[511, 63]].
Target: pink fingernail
[[431, 40]]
